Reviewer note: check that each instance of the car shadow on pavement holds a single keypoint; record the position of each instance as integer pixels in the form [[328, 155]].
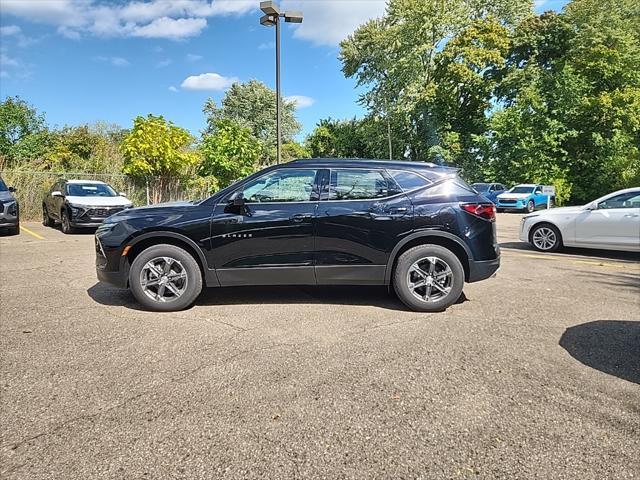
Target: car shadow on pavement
[[375, 296], [580, 252], [611, 346]]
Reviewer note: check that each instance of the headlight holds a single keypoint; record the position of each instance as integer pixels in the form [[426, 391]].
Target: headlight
[[12, 208], [105, 228]]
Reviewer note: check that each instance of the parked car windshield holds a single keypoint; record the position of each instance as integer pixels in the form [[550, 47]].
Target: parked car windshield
[[3, 186], [521, 190], [481, 187], [90, 190]]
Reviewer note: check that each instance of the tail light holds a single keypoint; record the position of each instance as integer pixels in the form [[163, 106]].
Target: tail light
[[482, 210]]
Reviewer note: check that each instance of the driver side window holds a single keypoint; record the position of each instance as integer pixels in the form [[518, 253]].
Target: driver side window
[[624, 200], [286, 185]]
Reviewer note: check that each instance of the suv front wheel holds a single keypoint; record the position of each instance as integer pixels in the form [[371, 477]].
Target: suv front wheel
[[165, 278], [428, 278]]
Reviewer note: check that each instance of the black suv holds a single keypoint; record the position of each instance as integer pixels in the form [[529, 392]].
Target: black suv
[[413, 225]]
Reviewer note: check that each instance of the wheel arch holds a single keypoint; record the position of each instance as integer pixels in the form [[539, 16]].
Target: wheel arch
[[144, 241], [432, 237]]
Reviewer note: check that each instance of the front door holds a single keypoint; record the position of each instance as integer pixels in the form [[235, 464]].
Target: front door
[[361, 215], [269, 238], [614, 223]]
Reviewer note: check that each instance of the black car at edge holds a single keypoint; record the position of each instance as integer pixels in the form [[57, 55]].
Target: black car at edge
[[415, 226]]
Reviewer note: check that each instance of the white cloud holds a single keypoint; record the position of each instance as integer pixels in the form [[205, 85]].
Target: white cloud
[[267, 46], [300, 101], [171, 19], [329, 22], [163, 63], [10, 30], [115, 61], [193, 58], [170, 28], [208, 81], [7, 61], [173, 89]]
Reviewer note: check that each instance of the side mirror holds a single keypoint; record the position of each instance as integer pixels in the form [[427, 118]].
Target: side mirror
[[237, 199], [122, 194], [56, 193], [591, 206], [12, 189]]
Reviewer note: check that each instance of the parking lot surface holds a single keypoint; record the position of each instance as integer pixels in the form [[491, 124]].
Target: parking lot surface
[[533, 374]]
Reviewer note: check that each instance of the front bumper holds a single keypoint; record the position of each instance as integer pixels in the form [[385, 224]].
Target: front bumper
[[111, 267], [88, 224], [117, 279], [517, 205]]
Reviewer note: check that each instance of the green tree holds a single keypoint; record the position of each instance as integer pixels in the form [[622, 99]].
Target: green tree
[[396, 58], [252, 105], [23, 131], [571, 101], [230, 153], [158, 152]]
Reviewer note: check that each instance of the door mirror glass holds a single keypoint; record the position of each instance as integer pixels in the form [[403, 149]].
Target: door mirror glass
[[122, 194], [12, 189], [237, 199], [56, 193]]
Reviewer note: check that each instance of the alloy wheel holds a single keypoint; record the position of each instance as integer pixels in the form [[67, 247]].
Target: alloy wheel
[[544, 238], [163, 279], [430, 279]]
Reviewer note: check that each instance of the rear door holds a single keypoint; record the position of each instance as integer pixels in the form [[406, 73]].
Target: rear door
[[269, 239], [361, 215]]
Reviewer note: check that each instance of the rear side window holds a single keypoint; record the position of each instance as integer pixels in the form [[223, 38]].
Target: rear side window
[[408, 180], [354, 184]]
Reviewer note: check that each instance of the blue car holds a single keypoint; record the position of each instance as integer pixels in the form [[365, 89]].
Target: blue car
[[489, 190], [526, 197]]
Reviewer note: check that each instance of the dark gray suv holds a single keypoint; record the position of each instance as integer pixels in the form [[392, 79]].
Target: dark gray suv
[[9, 210]]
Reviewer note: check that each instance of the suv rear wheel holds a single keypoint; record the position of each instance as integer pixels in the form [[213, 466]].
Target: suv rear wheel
[[428, 278], [165, 278]]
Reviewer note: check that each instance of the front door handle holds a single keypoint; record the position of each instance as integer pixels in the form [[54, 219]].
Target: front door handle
[[632, 215], [299, 217]]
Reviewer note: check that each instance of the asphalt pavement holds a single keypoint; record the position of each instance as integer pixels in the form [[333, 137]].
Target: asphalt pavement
[[533, 374]]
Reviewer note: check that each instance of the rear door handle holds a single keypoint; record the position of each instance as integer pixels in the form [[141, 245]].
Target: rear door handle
[[398, 210], [299, 217]]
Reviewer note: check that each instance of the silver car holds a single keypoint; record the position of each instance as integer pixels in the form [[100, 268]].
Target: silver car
[[9, 210]]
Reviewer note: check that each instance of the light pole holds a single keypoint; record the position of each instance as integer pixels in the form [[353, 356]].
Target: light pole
[[271, 18]]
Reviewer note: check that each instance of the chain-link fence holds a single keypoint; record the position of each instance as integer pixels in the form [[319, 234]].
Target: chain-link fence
[[32, 186]]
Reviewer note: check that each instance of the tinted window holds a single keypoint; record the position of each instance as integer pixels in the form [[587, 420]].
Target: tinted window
[[624, 200], [290, 185], [90, 190], [358, 185], [407, 180], [481, 187], [3, 186], [500, 187]]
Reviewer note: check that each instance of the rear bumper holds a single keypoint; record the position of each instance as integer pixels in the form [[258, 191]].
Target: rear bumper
[[481, 270]]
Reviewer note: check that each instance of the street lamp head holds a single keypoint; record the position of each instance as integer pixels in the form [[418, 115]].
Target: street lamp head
[[270, 8], [293, 17], [268, 20]]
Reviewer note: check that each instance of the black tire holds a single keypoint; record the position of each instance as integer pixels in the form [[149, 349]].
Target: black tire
[[401, 278], [47, 221], [14, 230], [193, 281], [542, 230], [531, 206], [65, 223]]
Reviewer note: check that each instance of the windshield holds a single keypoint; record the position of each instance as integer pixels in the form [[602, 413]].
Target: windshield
[[521, 189], [481, 187], [3, 186], [90, 190]]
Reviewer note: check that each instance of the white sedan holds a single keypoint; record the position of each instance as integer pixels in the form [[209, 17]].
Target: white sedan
[[611, 223]]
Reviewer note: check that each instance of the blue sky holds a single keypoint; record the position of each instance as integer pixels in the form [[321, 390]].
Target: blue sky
[[81, 61]]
